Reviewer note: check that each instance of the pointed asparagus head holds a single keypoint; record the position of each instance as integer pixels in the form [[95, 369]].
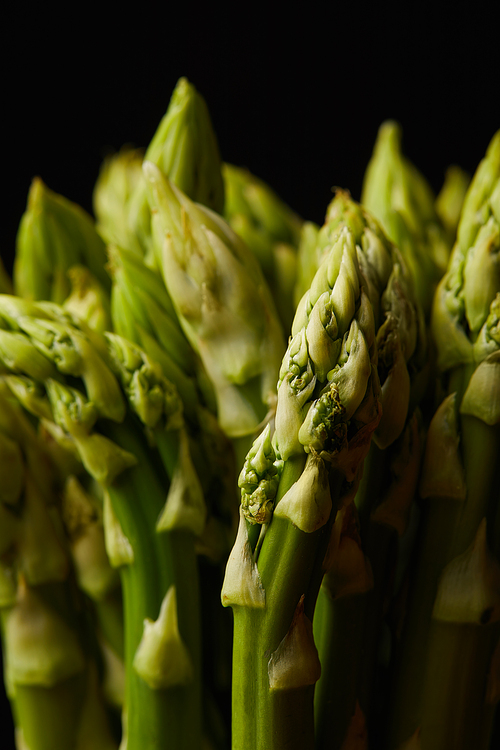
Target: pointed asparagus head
[[55, 234], [222, 302]]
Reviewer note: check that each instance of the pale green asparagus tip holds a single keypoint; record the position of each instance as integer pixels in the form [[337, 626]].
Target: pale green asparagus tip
[[358, 311], [375, 252], [451, 197], [88, 300], [222, 302], [118, 179], [54, 234], [270, 229], [466, 299], [388, 291], [400, 197], [483, 196], [185, 148], [249, 196]]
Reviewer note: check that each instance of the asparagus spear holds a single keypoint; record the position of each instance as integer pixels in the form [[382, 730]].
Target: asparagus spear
[[328, 408], [269, 228], [400, 197], [185, 149], [118, 179], [450, 199], [343, 603], [143, 312], [54, 235], [222, 303], [88, 300], [460, 483]]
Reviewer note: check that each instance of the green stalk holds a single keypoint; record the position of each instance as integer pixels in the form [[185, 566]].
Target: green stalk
[[460, 473], [455, 714], [448, 529], [272, 717], [338, 626], [155, 717]]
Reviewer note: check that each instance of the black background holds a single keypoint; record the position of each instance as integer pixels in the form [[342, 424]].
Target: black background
[[296, 95]]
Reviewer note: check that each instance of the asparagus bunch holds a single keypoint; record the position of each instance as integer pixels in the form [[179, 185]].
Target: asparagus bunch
[[441, 691], [49, 638], [151, 542], [118, 454]]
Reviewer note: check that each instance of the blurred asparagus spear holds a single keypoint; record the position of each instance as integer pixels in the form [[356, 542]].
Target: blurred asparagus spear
[[49, 646], [400, 197], [444, 631], [54, 235], [88, 300], [185, 150], [269, 228], [143, 313], [450, 199], [119, 178]]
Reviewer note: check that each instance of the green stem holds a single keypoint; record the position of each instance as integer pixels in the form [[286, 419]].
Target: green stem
[[448, 529], [290, 566], [109, 612], [156, 718], [338, 632], [455, 714], [50, 717]]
